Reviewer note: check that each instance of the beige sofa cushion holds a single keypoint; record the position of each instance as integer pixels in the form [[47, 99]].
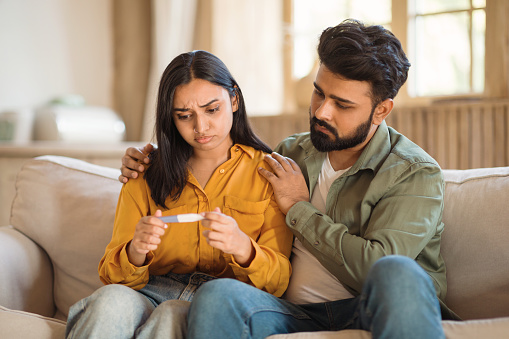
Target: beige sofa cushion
[[28, 285], [74, 232], [475, 242], [473, 329], [25, 325], [18, 324]]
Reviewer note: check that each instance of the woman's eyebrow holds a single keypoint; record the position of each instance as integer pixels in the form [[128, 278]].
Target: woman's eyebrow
[[201, 106], [209, 103]]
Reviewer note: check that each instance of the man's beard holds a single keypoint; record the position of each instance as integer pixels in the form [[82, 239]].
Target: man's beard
[[324, 143]]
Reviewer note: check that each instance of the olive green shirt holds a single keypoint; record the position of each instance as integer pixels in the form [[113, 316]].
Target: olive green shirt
[[389, 202]]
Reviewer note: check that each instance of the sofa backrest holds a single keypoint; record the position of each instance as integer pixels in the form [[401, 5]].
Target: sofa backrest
[[475, 242], [67, 206]]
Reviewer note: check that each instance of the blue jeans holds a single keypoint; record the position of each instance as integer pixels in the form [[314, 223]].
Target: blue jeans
[[398, 300], [159, 310]]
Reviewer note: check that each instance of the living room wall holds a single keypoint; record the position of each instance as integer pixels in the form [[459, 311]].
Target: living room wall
[[55, 47]]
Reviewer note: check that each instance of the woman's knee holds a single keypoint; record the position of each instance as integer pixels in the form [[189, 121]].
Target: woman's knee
[[113, 309], [115, 299]]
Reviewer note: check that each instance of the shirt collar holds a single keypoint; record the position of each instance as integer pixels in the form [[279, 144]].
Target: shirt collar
[[376, 150], [247, 149]]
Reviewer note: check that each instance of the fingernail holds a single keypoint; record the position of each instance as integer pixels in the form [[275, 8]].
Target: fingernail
[[146, 160], [140, 168]]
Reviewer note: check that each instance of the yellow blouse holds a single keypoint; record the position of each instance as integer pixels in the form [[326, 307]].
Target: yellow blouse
[[242, 193]]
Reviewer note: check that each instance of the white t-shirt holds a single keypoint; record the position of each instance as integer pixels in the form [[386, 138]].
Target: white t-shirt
[[310, 281]]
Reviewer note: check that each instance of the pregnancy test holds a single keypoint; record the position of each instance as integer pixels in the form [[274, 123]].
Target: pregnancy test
[[190, 217]]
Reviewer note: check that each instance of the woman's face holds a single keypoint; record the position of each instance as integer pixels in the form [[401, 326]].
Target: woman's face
[[203, 115]]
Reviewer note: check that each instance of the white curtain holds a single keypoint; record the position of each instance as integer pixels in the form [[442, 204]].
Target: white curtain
[[248, 36], [173, 23]]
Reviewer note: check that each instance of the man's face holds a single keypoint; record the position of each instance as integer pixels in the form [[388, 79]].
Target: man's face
[[341, 112]]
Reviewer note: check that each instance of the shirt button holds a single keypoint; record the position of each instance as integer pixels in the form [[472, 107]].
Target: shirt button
[[317, 243], [205, 199], [207, 267], [236, 150], [221, 170], [293, 222]]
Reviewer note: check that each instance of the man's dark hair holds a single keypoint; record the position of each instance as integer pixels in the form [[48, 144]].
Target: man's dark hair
[[365, 53], [167, 174]]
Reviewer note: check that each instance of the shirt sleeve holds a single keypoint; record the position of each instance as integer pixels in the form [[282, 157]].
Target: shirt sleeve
[[115, 267], [270, 269], [402, 221]]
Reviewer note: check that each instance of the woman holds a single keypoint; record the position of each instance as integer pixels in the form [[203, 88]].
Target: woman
[[206, 163]]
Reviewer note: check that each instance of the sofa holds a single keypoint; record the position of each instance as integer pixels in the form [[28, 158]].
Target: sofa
[[62, 218]]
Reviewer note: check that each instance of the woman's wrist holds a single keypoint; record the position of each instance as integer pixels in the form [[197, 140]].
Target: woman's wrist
[[245, 258], [135, 258]]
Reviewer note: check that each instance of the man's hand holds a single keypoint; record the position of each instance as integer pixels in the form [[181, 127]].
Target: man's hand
[[133, 160], [287, 180], [224, 234]]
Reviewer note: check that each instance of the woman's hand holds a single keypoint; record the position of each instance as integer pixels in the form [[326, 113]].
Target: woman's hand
[[225, 235], [147, 237], [133, 160]]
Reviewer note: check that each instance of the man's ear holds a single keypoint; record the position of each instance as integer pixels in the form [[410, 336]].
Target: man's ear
[[382, 110]]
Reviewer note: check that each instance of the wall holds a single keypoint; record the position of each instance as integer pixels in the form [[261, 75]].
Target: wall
[[459, 135], [50, 48]]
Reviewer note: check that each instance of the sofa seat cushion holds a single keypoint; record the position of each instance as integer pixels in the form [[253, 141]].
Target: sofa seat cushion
[[472, 329], [19, 324]]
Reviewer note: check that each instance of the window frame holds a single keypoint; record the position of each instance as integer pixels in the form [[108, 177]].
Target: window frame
[[496, 54]]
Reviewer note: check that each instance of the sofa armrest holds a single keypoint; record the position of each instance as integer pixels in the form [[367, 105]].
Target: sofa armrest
[[26, 282]]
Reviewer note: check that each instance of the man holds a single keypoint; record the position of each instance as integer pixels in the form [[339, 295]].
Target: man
[[367, 233]]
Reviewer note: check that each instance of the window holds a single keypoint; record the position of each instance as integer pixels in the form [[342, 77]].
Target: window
[[310, 18], [444, 40], [446, 47]]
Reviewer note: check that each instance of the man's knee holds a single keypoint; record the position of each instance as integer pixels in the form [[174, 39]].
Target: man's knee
[[219, 289], [229, 295], [396, 266], [396, 272]]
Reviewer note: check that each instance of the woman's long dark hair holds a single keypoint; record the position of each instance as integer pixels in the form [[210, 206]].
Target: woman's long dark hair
[[167, 175]]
